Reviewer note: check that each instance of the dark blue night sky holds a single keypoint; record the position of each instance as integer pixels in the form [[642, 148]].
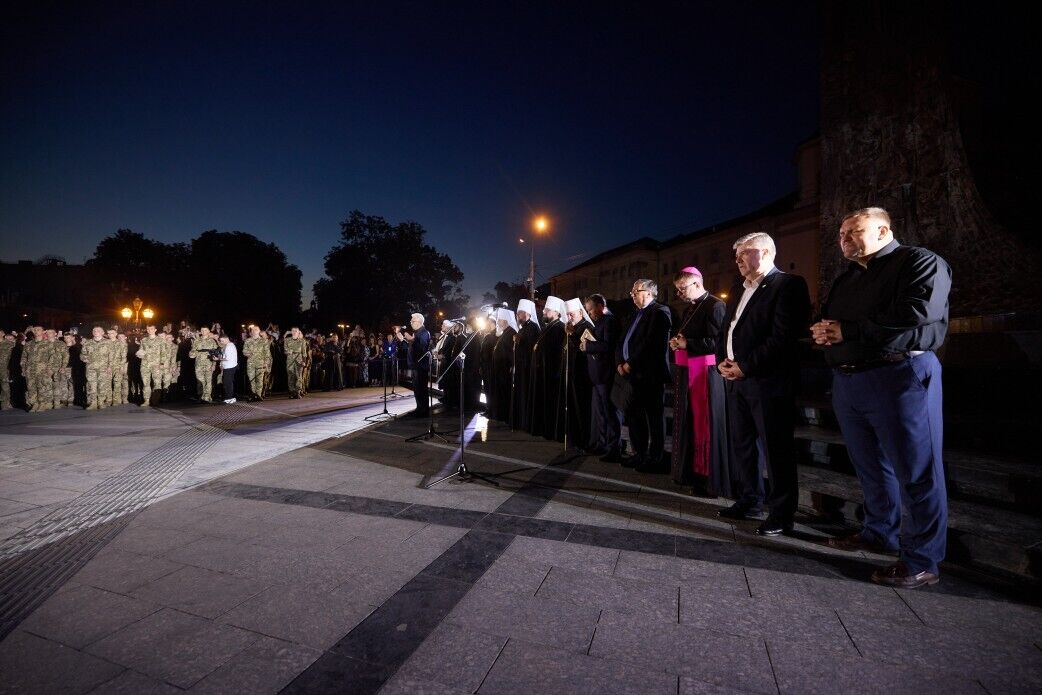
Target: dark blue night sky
[[617, 120]]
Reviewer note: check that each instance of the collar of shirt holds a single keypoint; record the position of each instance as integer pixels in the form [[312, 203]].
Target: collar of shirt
[[755, 282], [885, 251]]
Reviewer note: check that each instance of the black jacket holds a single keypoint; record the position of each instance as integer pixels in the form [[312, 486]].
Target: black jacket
[[600, 354], [766, 337], [419, 346], [649, 345]]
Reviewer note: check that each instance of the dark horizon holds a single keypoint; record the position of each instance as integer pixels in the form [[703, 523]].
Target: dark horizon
[[617, 122]]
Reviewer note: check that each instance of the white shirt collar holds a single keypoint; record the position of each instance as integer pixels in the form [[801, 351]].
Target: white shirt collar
[[755, 282]]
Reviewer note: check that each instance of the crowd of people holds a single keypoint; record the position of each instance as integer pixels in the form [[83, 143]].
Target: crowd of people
[[45, 369], [573, 373]]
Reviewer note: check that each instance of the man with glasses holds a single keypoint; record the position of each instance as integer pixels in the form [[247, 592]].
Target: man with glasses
[[643, 357]]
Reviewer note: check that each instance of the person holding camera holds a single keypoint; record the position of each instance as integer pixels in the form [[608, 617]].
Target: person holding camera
[[202, 345]]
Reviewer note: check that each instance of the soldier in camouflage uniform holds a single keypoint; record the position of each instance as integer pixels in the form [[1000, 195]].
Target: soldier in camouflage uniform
[[96, 354], [151, 352], [204, 366], [123, 356], [36, 363], [63, 391], [297, 351], [258, 361], [7, 345], [117, 361], [171, 369]]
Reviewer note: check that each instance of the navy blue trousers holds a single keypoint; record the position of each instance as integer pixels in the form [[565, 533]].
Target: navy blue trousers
[[892, 422]]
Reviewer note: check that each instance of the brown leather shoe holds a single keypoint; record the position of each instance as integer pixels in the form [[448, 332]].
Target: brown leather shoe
[[855, 542], [897, 576]]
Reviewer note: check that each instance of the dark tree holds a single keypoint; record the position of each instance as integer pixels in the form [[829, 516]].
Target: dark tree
[[134, 266], [379, 273], [237, 278], [507, 292]]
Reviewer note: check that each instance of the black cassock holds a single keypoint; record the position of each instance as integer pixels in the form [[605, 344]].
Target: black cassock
[[334, 366], [501, 374], [448, 379], [580, 390], [545, 381], [526, 337], [488, 346], [471, 373]]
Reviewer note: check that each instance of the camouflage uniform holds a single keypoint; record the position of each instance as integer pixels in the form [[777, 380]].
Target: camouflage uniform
[[297, 352], [170, 369], [120, 382], [204, 366], [62, 390], [258, 363], [6, 348], [38, 367], [97, 355], [152, 352]]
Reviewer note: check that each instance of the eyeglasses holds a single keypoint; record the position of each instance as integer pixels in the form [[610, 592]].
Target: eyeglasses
[[634, 293], [681, 288]]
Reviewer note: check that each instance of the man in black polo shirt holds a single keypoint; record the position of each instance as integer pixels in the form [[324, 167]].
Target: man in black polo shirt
[[882, 320]]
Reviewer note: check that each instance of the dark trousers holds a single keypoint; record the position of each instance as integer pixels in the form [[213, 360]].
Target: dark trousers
[[229, 381], [421, 391], [892, 423], [761, 422], [604, 432], [646, 421]]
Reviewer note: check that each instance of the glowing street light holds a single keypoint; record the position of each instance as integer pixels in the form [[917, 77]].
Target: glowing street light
[[148, 314], [126, 313], [540, 225]]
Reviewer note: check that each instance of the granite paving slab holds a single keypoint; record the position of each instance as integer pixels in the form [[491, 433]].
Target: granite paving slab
[[32, 664], [265, 667], [83, 614]]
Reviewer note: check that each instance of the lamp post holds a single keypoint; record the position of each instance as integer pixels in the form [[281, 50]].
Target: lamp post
[[540, 225]]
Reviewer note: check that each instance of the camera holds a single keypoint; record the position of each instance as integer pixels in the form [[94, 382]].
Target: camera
[[216, 353]]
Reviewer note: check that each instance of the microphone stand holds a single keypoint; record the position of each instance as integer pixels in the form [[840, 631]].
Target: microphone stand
[[513, 377], [567, 394], [431, 433], [394, 379], [461, 470], [385, 415]]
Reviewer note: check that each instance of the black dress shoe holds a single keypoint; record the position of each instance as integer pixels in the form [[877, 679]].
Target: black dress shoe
[[738, 510], [701, 490], [613, 456], [652, 468], [632, 461], [899, 576], [773, 527], [857, 541]]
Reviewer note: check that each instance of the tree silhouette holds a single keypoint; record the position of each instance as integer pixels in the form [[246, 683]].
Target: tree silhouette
[[379, 273]]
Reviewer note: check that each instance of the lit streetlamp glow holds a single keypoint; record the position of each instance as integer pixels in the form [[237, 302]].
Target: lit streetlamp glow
[[125, 312]]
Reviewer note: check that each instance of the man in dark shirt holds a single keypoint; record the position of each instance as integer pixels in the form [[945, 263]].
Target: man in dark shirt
[[600, 362], [882, 320], [419, 362]]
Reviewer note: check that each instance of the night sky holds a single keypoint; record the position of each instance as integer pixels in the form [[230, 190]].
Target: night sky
[[618, 121]]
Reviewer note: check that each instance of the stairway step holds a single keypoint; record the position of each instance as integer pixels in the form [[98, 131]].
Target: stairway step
[[997, 541]]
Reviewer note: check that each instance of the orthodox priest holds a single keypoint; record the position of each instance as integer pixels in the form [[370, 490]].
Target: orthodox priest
[[527, 334], [545, 381], [575, 382], [502, 372]]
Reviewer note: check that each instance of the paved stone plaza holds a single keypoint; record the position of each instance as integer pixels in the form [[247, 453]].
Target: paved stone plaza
[[291, 547]]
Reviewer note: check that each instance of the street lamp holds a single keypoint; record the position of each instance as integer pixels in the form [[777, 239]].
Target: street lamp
[[126, 313], [148, 314], [540, 225]]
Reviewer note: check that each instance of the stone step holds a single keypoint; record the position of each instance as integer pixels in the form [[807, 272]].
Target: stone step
[[1002, 543], [972, 477]]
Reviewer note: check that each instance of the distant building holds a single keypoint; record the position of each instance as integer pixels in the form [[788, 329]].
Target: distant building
[[793, 221]]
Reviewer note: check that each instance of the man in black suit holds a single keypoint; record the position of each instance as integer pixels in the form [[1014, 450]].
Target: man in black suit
[[767, 313], [643, 358], [600, 364], [419, 362]]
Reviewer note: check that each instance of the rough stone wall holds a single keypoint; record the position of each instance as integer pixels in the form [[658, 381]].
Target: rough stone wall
[[890, 137]]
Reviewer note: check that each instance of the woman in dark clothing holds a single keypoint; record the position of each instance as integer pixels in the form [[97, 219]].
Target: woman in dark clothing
[[334, 365]]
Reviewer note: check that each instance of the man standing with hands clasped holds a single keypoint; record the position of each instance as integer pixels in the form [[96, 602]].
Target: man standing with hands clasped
[[767, 314], [883, 319]]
